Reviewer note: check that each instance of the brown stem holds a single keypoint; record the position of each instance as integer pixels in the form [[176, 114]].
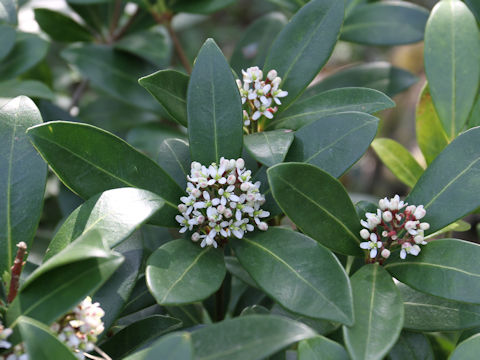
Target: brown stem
[[117, 11], [78, 93], [120, 33], [16, 271]]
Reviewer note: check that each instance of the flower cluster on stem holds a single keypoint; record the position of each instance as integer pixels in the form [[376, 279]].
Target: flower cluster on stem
[[394, 224], [222, 201], [260, 97]]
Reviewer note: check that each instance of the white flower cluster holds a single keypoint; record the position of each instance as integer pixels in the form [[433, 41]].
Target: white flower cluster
[[4, 334], [17, 353], [260, 95], [221, 202], [394, 223]]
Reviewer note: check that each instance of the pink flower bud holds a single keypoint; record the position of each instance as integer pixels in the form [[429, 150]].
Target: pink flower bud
[[385, 253]]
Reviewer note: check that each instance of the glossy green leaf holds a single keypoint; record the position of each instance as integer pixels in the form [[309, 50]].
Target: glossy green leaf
[[321, 348], [269, 147], [7, 41], [298, 273], [61, 283], [381, 76], [413, 346], [31, 88], [474, 7], [467, 350], [399, 160], [41, 343], [22, 178], [452, 62], [182, 272], [169, 88], [451, 265], [304, 46], [89, 160], [60, 27], [385, 23], [200, 6], [307, 110], [135, 335], [252, 337], [116, 213], [351, 5], [270, 203], [378, 312], [28, 51], [448, 188], [474, 118], [318, 204], [214, 108], [176, 346], [252, 48], [334, 142], [8, 11], [425, 312], [174, 158], [235, 268], [113, 72], [431, 137]]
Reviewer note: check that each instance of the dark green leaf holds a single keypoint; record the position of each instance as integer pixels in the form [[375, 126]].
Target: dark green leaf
[[174, 158], [321, 348], [270, 203], [269, 147], [334, 142], [189, 314], [181, 272], [176, 346], [304, 45], [381, 76], [135, 335], [378, 312], [474, 7], [318, 204], [452, 63], [279, 256], [399, 160], [89, 160], [7, 41], [448, 188], [425, 312], [61, 27], [474, 118], [252, 337], [307, 110], [467, 350], [252, 48], [214, 108], [388, 23], [450, 265], [22, 178], [8, 11], [32, 88], [412, 346], [235, 268], [200, 6], [351, 5]]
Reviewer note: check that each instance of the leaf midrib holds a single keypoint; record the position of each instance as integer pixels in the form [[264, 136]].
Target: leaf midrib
[[468, 273]]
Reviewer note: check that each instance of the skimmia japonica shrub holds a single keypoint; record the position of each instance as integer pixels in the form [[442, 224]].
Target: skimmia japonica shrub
[[205, 213]]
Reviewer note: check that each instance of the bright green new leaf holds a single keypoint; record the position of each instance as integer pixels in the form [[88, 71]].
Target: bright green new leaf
[[61, 27], [321, 348], [411, 344], [269, 147]]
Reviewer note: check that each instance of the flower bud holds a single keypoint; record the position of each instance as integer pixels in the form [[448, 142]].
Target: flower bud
[[387, 216], [195, 236], [364, 234], [419, 212], [385, 253], [245, 186], [418, 239], [263, 226], [272, 74], [228, 213], [424, 226], [240, 164], [182, 208]]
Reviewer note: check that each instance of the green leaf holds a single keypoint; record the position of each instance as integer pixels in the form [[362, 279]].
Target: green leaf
[[200, 6], [7, 41], [8, 12], [412, 346], [235, 268], [448, 188], [116, 213], [307, 110], [334, 142], [174, 158], [181, 272], [452, 62], [450, 265], [152, 44], [474, 7], [399, 160], [22, 178], [318, 204], [390, 23], [176, 346], [252, 48], [425, 312], [135, 335], [458, 226], [113, 72], [378, 312], [214, 108], [41, 343], [277, 260], [381, 76], [351, 5], [304, 46], [269, 147], [31, 88], [62, 282], [321, 348], [252, 337], [467, 350], [89, 160], [28, 51], [431, 137], [60, 27], [474, 118]]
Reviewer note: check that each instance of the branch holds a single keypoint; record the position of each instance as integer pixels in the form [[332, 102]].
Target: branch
[[16, 271]]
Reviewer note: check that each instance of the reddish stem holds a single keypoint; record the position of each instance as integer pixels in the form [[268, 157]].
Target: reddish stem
[[16, 271]]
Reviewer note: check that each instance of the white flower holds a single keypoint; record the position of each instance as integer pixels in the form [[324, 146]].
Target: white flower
[[373, 246], [364, 234]]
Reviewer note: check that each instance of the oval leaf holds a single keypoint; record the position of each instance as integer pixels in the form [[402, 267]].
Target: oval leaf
[[181, 272], [321, 348], [277, 260], [318, 204], [269, 147], [378, 314], [174, 158], [61, 27], [214, 108], [32, 88], [467, 350]]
